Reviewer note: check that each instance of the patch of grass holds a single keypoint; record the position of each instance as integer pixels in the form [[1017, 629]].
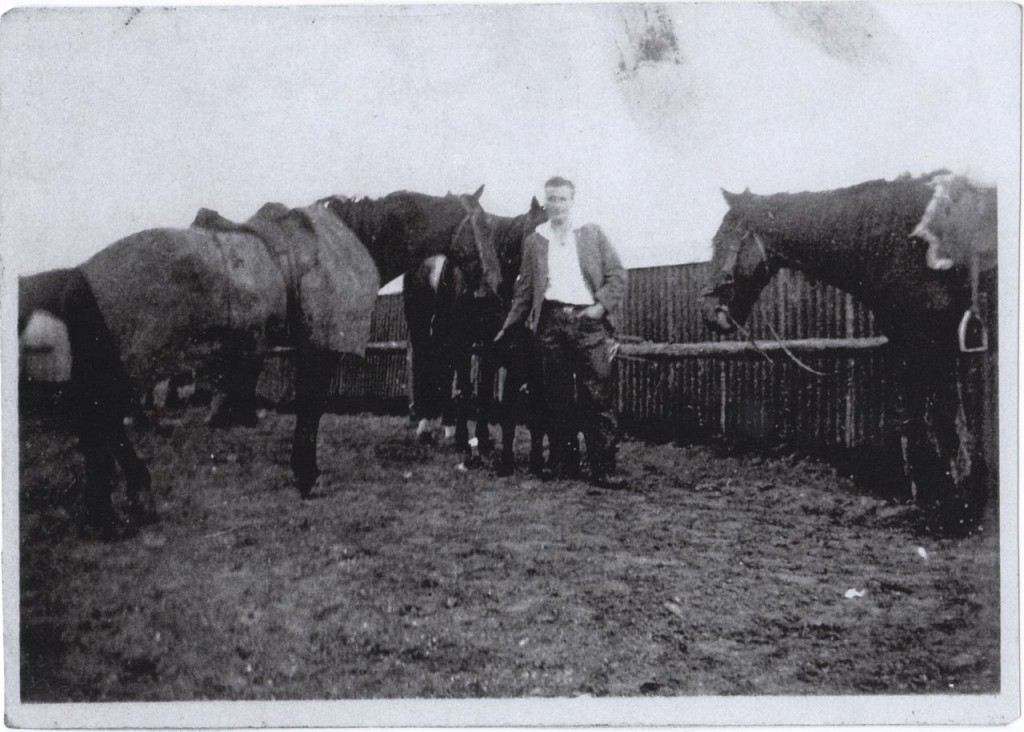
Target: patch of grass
[[406, 576]]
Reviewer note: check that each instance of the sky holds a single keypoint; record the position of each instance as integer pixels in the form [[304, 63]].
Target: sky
[[114, 120]]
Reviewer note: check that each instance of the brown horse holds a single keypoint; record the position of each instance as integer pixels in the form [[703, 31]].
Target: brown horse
[[454, 312], [866, 240], [216, 296]]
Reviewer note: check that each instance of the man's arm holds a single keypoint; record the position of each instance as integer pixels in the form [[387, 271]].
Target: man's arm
[[613, 283]]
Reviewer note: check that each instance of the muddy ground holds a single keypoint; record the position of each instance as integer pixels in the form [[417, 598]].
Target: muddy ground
[[406, 577]]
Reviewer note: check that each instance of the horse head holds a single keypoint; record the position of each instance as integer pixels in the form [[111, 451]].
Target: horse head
[[500, 244], [478, 260], [509, 237], [741, 266]]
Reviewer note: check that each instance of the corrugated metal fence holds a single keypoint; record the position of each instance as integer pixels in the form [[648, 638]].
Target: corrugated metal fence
[[774, 403], [767, 402]]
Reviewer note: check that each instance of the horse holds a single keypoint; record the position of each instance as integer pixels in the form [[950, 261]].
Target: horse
[[216, 297], [867, 240], [453, 313]]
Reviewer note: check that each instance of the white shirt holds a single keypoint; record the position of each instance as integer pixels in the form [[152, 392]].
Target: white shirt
[[565, 279]]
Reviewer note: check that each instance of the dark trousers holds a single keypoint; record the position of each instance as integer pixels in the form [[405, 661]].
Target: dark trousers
[[576, 364]]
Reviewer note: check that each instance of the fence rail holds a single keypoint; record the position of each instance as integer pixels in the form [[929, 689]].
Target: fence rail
[[822, 347]]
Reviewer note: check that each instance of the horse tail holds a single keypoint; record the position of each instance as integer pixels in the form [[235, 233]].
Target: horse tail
[[44, 291], [98, 377]]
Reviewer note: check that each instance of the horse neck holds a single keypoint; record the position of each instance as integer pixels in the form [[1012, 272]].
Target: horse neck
[[392, 247], [855, 243]]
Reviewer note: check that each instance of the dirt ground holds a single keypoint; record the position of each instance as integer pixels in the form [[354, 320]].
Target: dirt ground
[[407, 577]]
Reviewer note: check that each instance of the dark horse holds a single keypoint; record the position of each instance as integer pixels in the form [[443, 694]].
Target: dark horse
[[866, 241], [454, 312], [217, 295]]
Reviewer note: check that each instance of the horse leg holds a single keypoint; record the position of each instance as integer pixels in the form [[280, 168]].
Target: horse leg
[[461, 401], [138, 483], [234, 375], [536, 449], [486, 404], [244, 390], [938, 454], [313, 371], [97, 508], [425, 406], [507, 421]]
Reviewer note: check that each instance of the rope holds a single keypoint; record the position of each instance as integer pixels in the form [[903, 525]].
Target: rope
[[792, 355], [749, 336]]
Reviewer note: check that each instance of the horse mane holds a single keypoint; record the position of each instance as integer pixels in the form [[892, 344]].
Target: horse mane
[[812, 214], [372, 215]]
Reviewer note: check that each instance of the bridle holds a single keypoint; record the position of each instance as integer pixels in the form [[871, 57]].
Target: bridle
[[728, 281], [729, 264], [484, 244]]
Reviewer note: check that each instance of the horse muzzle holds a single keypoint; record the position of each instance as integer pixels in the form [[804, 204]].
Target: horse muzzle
[[718, 319]]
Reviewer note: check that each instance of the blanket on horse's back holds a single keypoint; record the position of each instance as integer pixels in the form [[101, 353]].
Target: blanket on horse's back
[[286, 276], [960, 223]]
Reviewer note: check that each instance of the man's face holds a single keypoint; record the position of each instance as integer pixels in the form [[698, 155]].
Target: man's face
[[558, 201]]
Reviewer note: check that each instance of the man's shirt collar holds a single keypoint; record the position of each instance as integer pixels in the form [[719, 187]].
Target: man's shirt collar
[[548, 232]]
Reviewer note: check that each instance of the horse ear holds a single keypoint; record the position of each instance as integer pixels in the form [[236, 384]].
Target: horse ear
[[535, 206], [479, 192], [730, 198]]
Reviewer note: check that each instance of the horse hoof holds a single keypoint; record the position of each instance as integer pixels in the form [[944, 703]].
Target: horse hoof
[[306, 487], [142, 517], [248, 418], [106, 528]]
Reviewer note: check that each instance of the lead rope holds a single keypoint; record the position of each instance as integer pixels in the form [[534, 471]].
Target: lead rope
[[750, 337], [792, 355]]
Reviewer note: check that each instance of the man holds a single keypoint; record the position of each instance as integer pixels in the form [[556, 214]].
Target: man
[[570, 290]]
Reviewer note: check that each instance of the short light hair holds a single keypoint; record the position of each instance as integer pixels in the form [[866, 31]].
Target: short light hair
[[558, 181]]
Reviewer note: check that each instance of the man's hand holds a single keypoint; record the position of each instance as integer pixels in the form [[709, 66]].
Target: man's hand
[[594, 312]]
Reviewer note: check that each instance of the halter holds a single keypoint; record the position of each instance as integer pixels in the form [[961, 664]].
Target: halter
[[734, 250], [729, 265], [484, 245]]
